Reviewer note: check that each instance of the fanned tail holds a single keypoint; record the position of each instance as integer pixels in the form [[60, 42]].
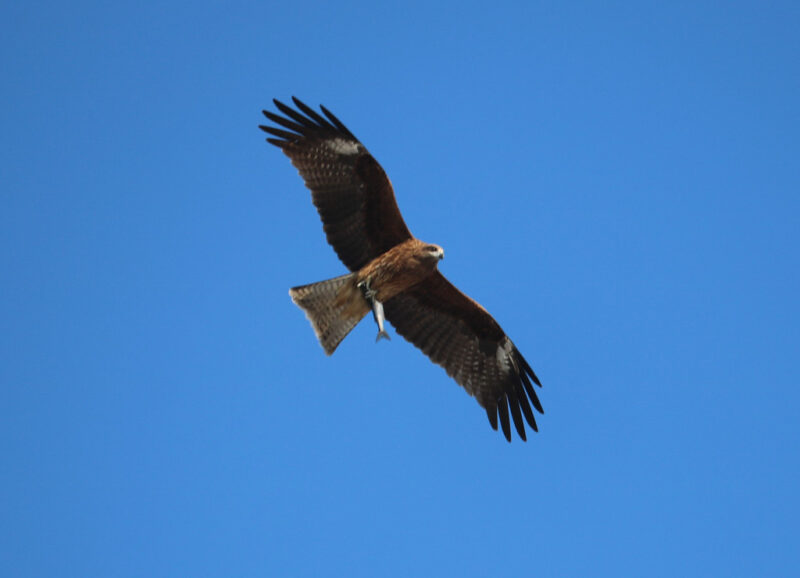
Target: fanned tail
[[333, 307]]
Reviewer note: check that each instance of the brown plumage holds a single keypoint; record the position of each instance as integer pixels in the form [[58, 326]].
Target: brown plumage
[[394, 273]]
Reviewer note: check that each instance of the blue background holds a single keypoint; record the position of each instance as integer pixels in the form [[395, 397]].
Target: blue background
[[616, 182]]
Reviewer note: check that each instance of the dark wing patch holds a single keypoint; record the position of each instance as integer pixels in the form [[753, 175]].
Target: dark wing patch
[[352, 193], [457, 333]]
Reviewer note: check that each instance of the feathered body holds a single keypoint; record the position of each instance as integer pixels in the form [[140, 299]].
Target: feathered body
[[334, 307], [393, 272], [400, 268]]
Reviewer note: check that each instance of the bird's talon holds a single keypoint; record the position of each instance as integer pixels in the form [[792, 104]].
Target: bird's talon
[[368, 293]]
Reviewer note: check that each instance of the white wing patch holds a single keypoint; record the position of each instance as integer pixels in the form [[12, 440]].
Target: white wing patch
[[504, 351], [342, 146]]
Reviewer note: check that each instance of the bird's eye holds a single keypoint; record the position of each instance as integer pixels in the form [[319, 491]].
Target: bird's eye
[[431, 248]]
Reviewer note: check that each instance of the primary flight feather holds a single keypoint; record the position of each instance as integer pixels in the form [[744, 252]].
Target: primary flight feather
[[393, 274]]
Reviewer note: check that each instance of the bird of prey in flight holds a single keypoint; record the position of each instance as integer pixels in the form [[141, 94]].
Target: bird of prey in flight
[[393, 274]]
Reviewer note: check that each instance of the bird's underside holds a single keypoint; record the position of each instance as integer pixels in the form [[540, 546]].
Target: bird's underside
[[392, 274]]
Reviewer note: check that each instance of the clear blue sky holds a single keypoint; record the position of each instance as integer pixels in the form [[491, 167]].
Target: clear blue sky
[[616, 182]]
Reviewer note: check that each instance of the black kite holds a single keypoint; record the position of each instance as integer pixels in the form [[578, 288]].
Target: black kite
[[393, 273]]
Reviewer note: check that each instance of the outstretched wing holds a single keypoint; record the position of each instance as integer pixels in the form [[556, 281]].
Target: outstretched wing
[[351, 191], [457, 333]]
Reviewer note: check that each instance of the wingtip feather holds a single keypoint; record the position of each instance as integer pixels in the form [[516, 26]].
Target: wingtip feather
[[525, 405], [311, 113], [491, 413], [516, 416], [502, 408]]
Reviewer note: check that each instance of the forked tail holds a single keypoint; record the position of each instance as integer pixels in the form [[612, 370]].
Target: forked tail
[[333, 307]]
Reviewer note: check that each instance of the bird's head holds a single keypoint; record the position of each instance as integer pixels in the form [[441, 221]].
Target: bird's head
[[433, 252]]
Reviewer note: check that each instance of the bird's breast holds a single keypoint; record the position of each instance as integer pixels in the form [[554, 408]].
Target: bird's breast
[[396, 270]]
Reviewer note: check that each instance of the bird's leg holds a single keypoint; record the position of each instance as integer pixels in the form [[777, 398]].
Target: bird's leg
[[366, 291], [377, 308]]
